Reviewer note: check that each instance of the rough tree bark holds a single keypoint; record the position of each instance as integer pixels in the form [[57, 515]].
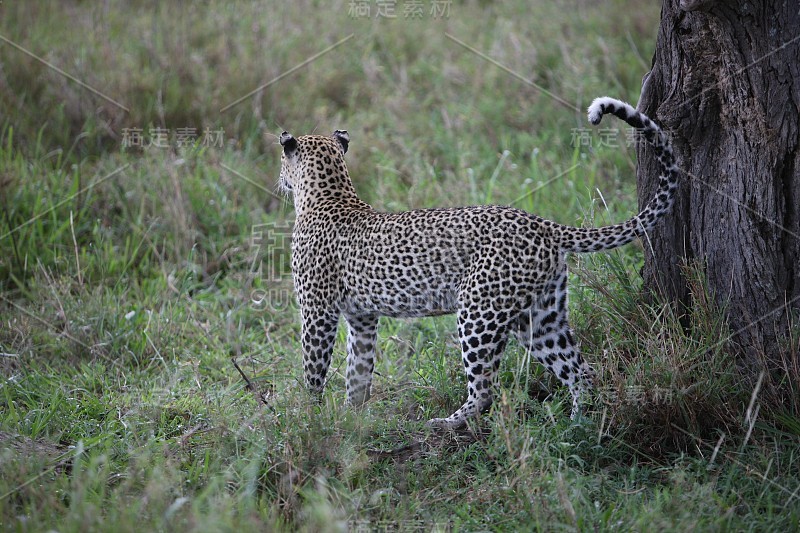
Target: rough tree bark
[[725, 82]]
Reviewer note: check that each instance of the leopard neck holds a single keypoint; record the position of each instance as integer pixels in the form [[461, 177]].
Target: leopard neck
[[326, 192]]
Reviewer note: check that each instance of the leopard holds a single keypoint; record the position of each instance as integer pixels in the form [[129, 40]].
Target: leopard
[[501, 270]]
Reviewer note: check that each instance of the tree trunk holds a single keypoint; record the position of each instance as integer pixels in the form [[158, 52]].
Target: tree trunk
[[725, 84]]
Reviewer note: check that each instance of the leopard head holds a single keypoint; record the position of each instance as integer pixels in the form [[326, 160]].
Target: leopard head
[[313, 163]]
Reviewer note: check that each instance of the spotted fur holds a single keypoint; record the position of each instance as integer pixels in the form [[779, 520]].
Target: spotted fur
[[500, 269]]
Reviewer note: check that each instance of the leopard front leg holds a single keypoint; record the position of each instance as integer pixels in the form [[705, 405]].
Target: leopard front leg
[[318, 333], [483, 339], [361, 341]]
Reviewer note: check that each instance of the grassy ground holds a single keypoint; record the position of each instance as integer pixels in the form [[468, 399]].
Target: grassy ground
[[133, 275]]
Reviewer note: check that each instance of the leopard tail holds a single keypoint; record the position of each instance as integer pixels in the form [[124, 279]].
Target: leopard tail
[[608, 237]]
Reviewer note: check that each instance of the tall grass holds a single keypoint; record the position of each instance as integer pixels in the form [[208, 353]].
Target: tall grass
[[131, 277]]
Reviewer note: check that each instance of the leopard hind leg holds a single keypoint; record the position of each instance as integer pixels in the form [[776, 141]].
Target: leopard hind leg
[[544, 331], [483, 335]]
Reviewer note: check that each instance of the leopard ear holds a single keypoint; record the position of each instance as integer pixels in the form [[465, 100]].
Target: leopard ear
[[343, 137], [289, 143]]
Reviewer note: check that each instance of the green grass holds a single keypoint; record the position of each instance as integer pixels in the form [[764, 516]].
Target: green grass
[[130, 278]]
